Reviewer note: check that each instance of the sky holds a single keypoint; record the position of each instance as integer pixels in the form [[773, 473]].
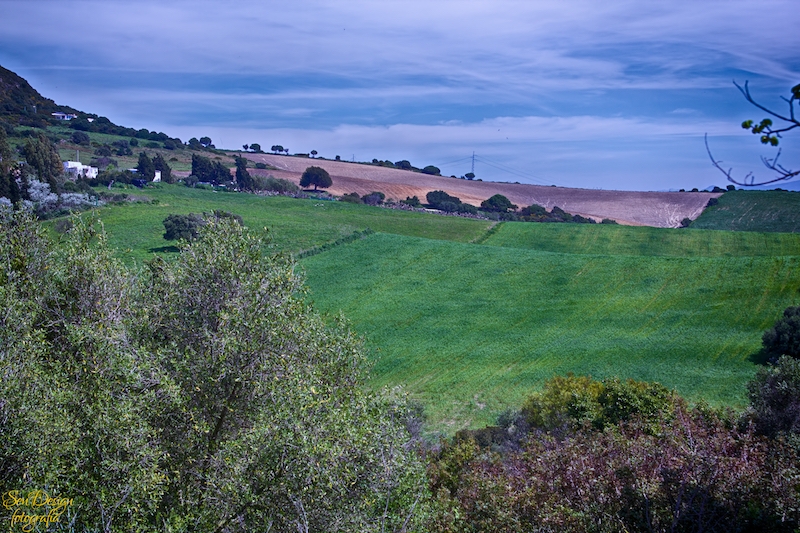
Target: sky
[[608, 95]]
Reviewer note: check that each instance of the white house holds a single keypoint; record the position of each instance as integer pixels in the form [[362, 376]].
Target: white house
[[77, 169], [64, 116]]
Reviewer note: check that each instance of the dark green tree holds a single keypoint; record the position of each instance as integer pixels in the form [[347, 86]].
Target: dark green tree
[[498, 203], [186, 227], [432, 170], [145, 167], [42, 156], [161, 165], [784, 337], [255, 147], [8, 183], [243, 178], [316, 176], [314, 153], [205, 141], [208, 171]]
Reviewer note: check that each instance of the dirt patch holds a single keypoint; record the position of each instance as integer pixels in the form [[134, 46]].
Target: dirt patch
[[659, 209]]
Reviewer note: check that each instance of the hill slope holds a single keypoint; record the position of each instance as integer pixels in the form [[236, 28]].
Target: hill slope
[[773, 211], [659, 209]]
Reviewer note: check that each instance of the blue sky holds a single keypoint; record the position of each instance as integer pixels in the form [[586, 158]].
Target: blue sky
[[611, 95]]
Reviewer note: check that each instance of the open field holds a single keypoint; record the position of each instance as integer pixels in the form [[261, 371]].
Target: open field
[[136, 229], [624, 240], [774, 211], [472, 329], [659, 209]]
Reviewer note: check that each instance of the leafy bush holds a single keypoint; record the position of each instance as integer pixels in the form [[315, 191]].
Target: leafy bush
[[352, 198], [186, 227], [775, 398], [784, 337], [413, 201], [270, 183], [498, 203], [373, 198], [204, 394]]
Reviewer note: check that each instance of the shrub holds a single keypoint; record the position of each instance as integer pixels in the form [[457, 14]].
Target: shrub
[[775, 398], [373, 198], [784, 337], [413, 201], [352, 198], [186, 227], [270, 183], [498, 203]]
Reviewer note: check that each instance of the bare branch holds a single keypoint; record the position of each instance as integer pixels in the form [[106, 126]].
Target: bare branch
[[770, 136]]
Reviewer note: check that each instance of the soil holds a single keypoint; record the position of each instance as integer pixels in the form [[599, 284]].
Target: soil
[[658, 209]]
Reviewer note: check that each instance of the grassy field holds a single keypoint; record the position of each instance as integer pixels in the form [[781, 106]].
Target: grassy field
[[472, 329], [137, 229], [753, 211], [628, 240]]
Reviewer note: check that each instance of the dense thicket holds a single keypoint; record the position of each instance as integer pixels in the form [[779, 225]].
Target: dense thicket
[[199, 395]]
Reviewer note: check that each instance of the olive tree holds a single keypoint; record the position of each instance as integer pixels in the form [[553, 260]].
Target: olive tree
[[204, 394]]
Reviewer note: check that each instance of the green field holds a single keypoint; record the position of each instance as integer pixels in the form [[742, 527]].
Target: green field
[[753, 211], [471, 329], [136, 229]]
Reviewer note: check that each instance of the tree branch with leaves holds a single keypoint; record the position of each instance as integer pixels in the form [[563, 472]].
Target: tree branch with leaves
[[771, 133]]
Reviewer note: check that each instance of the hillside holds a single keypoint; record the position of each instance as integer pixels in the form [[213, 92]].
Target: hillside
[[21, 104], [658, 209], [772, 211]]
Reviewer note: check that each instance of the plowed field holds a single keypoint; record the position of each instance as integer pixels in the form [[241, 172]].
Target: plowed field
[[658, 209]]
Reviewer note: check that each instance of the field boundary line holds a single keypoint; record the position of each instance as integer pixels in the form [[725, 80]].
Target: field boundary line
[[356, 235], [491, 230]]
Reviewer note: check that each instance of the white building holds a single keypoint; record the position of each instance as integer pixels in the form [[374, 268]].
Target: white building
[[64, 116], [78, 169]]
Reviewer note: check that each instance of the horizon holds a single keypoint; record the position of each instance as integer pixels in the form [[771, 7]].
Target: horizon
[[571, 94]]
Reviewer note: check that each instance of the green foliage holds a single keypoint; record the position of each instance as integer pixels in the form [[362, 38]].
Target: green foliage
[[413, 201], [42, 157], [582, 400], [316, 176], [352, 198], [161, 165], [498, 203], [772, 211], [209, 171], [243, 178], [432, 170], [784, 337], [373, 198], [202, 395], [79, 137], [145, 168], [8, 184], [775, 399], [184, 227], [271, 183]]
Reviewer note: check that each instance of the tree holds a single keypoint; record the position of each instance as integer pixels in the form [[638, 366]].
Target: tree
[[8, 183], [498, 203], [245, 147], [784, 337], [255, 147], [162, 166], [145, 168], [276, 148], [314, 153], [432, 170], [205, 142], [770, 134], [204, 394], [43, 158], [186, 227], [208, 171], [316, 176], [243, 178]]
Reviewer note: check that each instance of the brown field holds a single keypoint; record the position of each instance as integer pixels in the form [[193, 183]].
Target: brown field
[[659, 209]]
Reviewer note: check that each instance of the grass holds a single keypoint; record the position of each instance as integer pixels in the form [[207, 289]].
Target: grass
[[471, 330], [136, 229], [643, 241], [769, 211]]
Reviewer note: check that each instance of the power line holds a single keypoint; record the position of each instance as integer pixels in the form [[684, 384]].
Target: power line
[[510, 170]]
